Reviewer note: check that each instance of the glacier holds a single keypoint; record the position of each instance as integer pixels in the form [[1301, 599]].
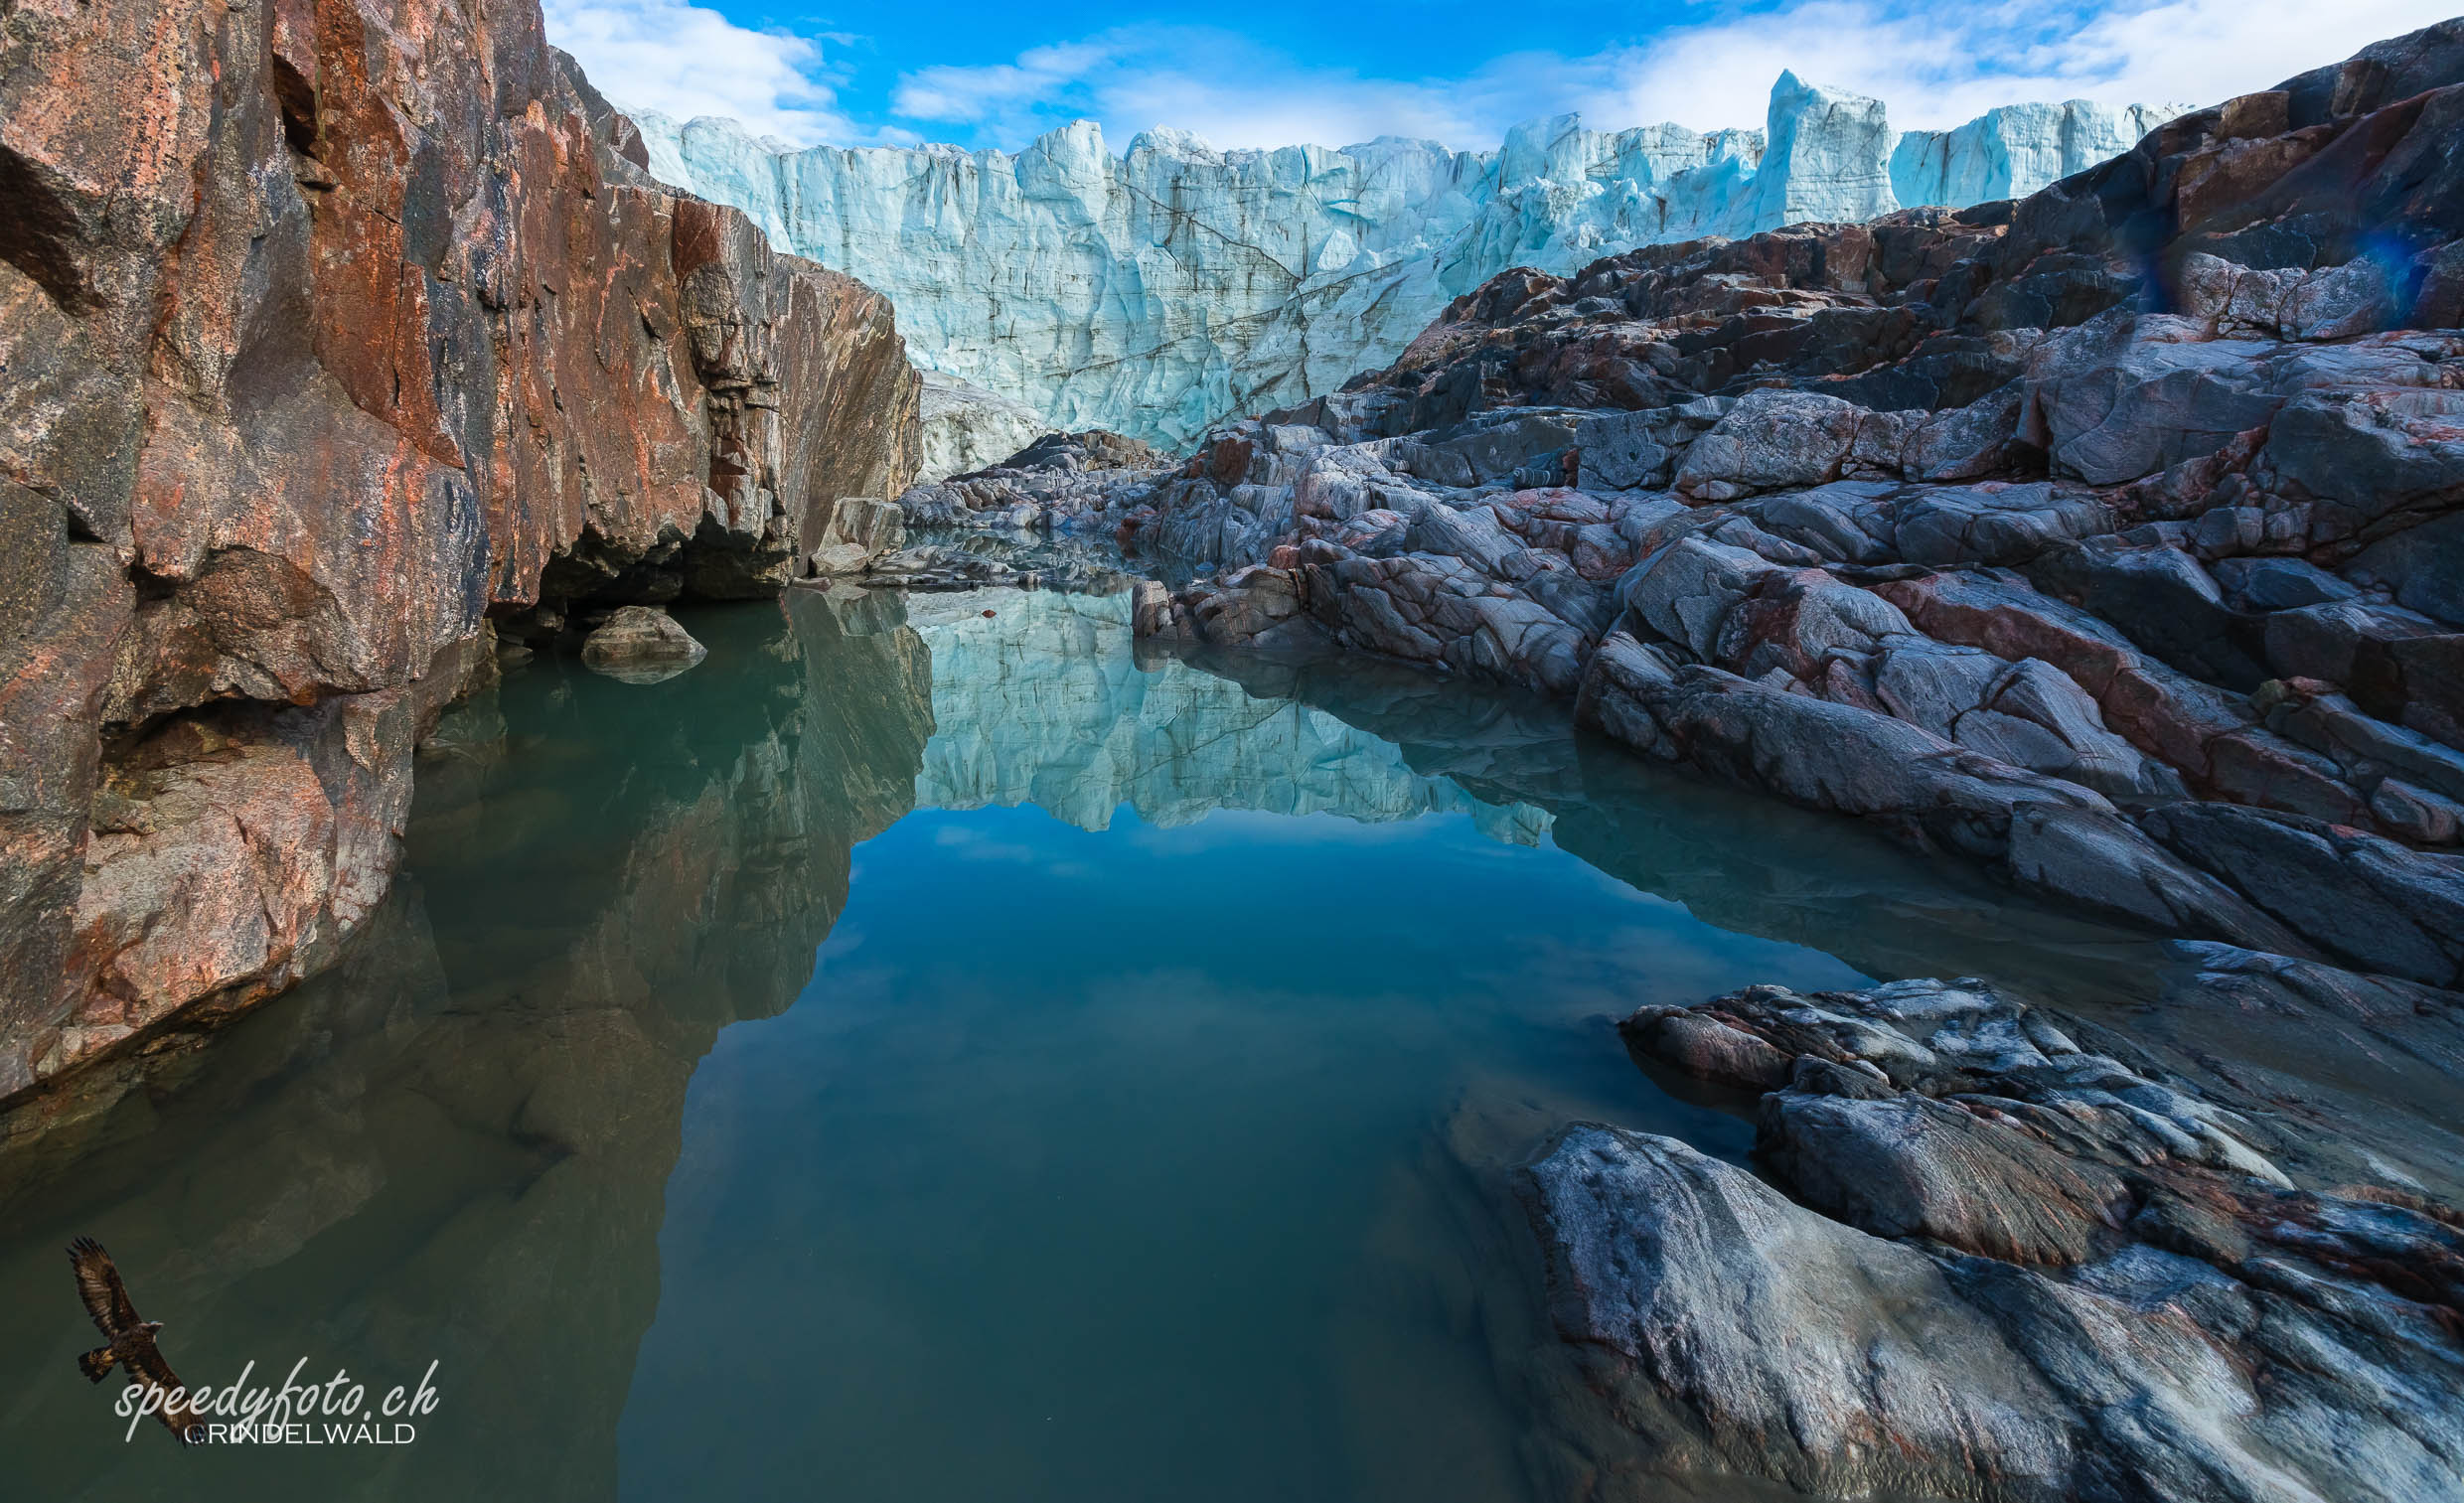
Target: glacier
[[1160, 290], [967, 428]]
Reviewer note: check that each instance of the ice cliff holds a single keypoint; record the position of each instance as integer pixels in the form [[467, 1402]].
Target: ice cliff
[[1157, 291]]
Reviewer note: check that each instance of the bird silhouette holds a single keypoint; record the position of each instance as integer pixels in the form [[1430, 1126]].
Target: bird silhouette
[[129, 1340]]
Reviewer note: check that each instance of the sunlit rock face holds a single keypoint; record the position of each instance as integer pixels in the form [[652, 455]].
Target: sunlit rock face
[[1154, 292], [1041, 701]]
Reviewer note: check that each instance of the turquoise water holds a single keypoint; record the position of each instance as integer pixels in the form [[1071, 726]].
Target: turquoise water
[[930, 1054]]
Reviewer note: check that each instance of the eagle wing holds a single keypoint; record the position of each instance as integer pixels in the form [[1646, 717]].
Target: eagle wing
[[146, 1366], [98, 1284]]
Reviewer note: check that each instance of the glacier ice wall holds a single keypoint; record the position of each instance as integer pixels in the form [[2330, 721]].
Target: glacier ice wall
[[2013, 150], [1159, 291], [967, 428]]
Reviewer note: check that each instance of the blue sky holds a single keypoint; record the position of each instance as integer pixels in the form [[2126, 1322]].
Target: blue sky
[[1270, 73]]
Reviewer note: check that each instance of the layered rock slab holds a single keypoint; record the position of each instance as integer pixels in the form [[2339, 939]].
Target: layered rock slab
[[2014, 1267]]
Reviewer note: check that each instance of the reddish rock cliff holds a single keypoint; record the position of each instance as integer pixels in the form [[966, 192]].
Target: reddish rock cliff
[[329, 331]]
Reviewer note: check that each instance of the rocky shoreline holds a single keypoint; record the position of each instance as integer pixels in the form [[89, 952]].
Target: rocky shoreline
[[2042, 534], [2007, 1265], [2105, 540], [2125, 584]]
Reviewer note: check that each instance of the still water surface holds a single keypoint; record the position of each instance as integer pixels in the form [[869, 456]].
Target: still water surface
[[923, 1054]]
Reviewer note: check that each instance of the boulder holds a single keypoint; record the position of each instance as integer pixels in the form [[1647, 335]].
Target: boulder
[[856, 530], [641, 644], [1813, 1353], [1771, 439]]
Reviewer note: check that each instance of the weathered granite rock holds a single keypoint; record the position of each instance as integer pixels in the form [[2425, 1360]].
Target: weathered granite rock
[[2016, 1266], [332, 333]]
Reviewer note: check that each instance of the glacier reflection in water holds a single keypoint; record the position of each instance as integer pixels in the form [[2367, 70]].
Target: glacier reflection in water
[[924, 1055], [1044, 702]]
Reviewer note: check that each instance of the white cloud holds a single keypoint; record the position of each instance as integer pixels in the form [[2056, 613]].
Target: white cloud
[[1940, 64], [1213, 82], [1935, 62], [684, 60]]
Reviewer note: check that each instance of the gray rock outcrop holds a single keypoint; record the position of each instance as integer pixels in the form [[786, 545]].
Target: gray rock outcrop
[[2007, 1265], [2097, 537]]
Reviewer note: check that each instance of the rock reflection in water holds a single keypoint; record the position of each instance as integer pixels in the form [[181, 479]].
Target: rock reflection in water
[[455, 1146], [1051, 703]]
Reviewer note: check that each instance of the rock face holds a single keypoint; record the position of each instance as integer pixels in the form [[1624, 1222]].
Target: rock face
[[333, 332], [2093, 537], [2014, 1268], [1156, 292]]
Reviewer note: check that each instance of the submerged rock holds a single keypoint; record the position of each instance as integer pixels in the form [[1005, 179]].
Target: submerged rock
[[641, 644]]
